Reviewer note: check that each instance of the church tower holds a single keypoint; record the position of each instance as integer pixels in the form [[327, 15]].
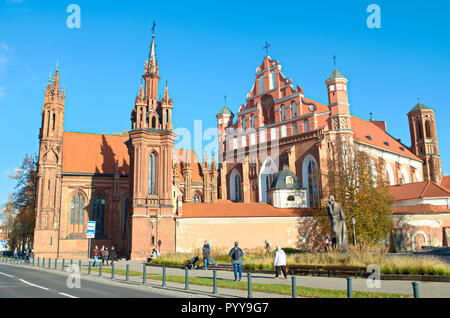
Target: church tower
[[424, 141], [48, 197], [150, 148], [338, 101]]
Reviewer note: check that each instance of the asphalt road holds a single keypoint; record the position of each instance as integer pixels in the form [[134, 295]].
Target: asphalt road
[[22, 282]]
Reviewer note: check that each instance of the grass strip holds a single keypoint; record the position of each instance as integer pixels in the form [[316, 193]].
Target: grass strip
[[280, 289]]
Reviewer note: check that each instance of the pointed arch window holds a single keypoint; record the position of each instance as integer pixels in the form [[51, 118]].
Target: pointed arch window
[[306, 125], [77, 209], [427, 129], [419, 130], [154, 122], [98, 213], [152, 174], [294, 109], [283, 112], [313, 185]]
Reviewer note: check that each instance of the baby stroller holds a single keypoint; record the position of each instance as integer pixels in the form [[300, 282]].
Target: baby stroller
[[190, 264]]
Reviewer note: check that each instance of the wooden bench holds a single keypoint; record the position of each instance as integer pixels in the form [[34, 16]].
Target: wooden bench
[[344, 270], [304, 269], [221, 267]]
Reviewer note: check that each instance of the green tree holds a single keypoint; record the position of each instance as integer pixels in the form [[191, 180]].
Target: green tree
[[356, 181], [19, 211]]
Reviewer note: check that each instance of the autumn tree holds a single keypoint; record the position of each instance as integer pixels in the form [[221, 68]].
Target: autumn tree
[[356, 181], [18, 212]]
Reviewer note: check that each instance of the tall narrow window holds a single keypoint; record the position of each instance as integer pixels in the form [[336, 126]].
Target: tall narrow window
[[253, 121], [427, 129], [167, 116], [273, 79], [54, 120], [152, 174], [154, 122], [283, 112], [419, 130], [261, 84], [295, 129], [244, 124], [313, 186], [306, 125], [294, 109], [283, 131], [98, 213]]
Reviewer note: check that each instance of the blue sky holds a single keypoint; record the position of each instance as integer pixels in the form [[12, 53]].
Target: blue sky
[[208, 49]]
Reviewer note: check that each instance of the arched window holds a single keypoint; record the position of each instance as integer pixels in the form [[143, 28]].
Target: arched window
[[291, 198], [283, 131], [295, 129], [306, 125], [244, 124], [427, 129], [153, 122], [244, 141], [125, 215], [273, 134], [253, 121], [294, 109], [266, 174], [419, 130], [310, 178], [283, 112], [261, 84], [235, 186], [152, 174], [98, 213], [196, 198], [77, 209], [389, 174]]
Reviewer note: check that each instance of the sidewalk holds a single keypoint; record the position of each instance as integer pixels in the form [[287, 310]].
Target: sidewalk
[[427, 289]]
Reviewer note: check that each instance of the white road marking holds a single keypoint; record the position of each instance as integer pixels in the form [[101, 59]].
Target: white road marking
[[24, 281], [6, 274], [67, 295]]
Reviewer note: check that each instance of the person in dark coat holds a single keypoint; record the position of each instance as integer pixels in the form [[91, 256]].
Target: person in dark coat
[[236, 259], [206, 250], [112, 255], [95, 254]]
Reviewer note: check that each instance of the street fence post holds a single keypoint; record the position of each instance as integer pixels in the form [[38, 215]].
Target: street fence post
[[416, 289], [164, 276], [250, 292], [144, 275], [186, 279], [49, 263], [294, 286], [214, 282], [349, 287], [62, 264], [127, 274], [43, 262], [56, 264], [89, 268], [100, 270], [112, 271]]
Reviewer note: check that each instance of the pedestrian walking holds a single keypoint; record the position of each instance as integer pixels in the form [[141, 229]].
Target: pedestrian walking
[[27, 255], [112, 255], [267, 247], [105, 256], [280, 262], [236, 259], [206, 249], [15, 253], [95, 254]]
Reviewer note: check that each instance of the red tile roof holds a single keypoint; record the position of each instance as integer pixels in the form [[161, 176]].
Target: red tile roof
[[225, 208], [446, 182], [418, 190], [378, 137], [94, 153], [420, 209]]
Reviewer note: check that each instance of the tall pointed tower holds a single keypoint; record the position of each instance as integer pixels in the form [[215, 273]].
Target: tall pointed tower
[[424, 141], [338, 101], [150, 148], [48, 197]]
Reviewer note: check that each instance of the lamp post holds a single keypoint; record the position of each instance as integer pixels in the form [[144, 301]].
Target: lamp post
[[354, 233]]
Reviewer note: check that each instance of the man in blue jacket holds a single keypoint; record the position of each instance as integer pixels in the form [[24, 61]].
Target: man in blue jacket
[[236, 259]]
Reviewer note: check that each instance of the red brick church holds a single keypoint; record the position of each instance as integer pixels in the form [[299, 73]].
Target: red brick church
[[143, 193]]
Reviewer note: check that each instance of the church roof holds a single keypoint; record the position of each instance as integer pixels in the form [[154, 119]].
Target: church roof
[[419, 106], [420, 209], [225, 208], [418, 190], [335, 75], [446, 182], [369, 133], [94, 153], [224, 111], [280, 180]]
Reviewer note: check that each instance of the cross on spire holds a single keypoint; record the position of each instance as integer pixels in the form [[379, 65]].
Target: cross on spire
[[371, 115], [153, 28], [225, 97], [334, 60], [266, 47]]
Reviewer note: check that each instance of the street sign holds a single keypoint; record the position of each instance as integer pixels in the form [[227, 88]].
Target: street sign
[[90, 230]]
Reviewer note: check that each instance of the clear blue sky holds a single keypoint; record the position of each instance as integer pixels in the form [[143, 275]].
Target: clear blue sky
[[208, 49]]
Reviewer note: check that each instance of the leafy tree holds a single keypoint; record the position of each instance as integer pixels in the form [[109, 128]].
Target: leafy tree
[[19, 211], [356, 181]]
